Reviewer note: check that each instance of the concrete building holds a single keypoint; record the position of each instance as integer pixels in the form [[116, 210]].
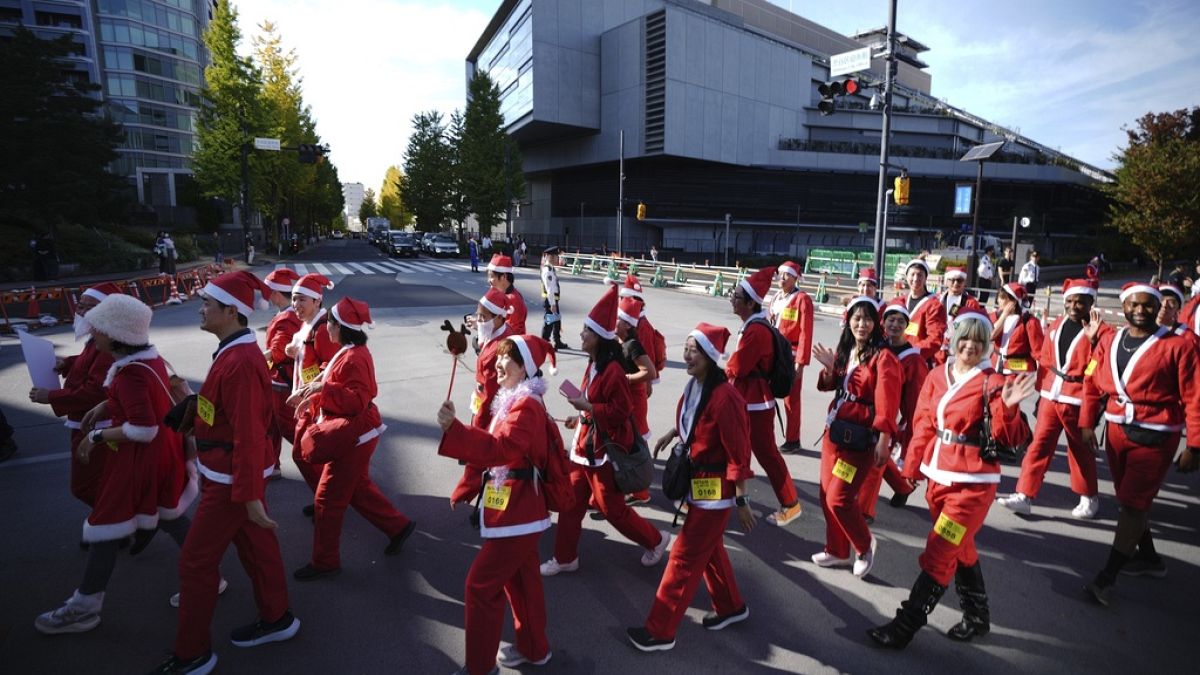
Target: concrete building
[[717, 101], [353, 194]]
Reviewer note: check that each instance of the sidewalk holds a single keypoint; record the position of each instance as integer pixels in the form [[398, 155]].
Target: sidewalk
[[89, 279]]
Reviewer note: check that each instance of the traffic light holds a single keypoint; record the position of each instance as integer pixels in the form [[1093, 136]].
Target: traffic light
[[641, 211], [900, 190], [308, 153], [830, 91]]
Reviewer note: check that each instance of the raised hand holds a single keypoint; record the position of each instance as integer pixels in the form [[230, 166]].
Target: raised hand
[[1017, 389], [824, 355]]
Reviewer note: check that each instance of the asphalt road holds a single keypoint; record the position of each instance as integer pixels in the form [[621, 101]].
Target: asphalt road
[[405, 613]]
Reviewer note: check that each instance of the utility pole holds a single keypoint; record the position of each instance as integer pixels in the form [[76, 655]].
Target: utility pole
[[621, 195], [881, 195], [507, 195], [245, 190], [728, 220]]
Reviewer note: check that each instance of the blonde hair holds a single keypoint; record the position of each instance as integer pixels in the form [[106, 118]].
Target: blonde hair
[[972, 329]]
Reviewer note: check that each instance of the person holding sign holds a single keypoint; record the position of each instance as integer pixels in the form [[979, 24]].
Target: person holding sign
[[859, 429], [713, 428], [927, 325], [952, 447]]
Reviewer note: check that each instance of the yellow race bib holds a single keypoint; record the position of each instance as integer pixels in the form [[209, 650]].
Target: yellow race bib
[[496, 498], [913, 329], [1091, 368], [949, 530], [476, 403], [844, 470], [309, 374], [1017, 365], [789, 314], [706, 489], [205, 409]]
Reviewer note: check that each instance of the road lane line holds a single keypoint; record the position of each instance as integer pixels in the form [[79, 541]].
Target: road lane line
[[360, 268], [301, 269], [342, 268], [379, 267], [322, 269]]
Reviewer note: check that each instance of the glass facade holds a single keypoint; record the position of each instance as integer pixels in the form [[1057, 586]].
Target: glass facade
[[508, 60]]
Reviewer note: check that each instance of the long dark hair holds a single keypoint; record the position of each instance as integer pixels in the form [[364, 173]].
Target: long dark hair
[[714, 376], [607, 351], [848, 343]]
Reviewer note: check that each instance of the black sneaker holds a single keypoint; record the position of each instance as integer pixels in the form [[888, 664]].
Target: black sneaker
[[201, 665], [714, 621], [900, 499], [309, 510], [260, 632], [791, 448], [7, 449], [397, 541], [640, 637], [310, 573]]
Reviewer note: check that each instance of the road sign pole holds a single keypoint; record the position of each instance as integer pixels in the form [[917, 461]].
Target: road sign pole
[[881, 195]]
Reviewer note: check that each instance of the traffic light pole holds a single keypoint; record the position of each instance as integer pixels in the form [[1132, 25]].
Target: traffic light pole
[[881, 195], [621, 195]]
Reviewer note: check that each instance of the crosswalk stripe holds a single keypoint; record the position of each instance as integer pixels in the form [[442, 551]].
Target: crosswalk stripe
[[342, 268], [360, 268], [422, 266], [381, 268], [301, 269], [322, 269], [280, 266]]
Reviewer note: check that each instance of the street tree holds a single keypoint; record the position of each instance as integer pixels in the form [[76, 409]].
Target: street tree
[[459, 208], [391, 199], [280, 97], [1154, 197], [369, 208], [490, 165], [428, 171]]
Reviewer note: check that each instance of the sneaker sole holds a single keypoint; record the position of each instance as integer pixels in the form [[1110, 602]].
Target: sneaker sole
[[513, 663], [730, 620], [653, 648], [207, 667], [77, 627], [784, 522], [277, 636], [1020, 510], [845, 562], [1153, 574]]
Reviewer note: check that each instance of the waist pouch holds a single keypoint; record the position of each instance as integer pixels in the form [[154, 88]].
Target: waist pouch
[[1150, 438], [851, 436]]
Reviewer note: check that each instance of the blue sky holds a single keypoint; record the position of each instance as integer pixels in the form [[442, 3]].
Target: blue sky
[[1066, 73]]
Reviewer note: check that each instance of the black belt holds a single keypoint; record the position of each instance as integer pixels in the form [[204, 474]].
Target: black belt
[[202, 445], [949, 436], [701, 467], [1067, 378]]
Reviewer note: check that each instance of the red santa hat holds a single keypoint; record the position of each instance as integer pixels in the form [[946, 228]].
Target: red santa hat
[[871, 304], [712, 339], [1016, 291], [496, 301], [955, 273], [867, 274], [241, 290], [1138, 287], [1173, 290], [123, 318], [353, 314], [974, 315], [916, 262], [603, 317], [791, 268], [313, 285], [534, 351], [632, 287], [500, 264], [1079, 287], [282, 280], [757, 285], [629, 310], [896, 308], [101, 291]]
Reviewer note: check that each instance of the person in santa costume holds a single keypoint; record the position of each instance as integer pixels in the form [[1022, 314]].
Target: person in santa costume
[[640, 371], [606, 416], [144, 483], [280, 331], [1064, 359], [1142, 380], [954, 299], [859, 429], [713, 429], [748, 369], [1169, 313], [340, 441], [913, 371], [927, 325], [1018, 334], [515, 448], [500, 276], [1190, 314], [951, 449], [868, 283], [791, 312], [82, 390], [311, 349], [230, 422]]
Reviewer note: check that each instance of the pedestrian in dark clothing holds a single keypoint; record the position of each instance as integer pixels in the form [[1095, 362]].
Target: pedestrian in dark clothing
[[8, 447]]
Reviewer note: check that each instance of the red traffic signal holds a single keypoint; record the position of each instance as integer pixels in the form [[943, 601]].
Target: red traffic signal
[[829, 91]]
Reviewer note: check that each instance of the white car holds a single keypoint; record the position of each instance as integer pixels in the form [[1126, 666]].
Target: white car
[[443, 245], [338, 234]]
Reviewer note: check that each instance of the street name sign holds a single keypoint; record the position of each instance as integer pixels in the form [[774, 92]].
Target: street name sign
[[266, 144], [850, 62]]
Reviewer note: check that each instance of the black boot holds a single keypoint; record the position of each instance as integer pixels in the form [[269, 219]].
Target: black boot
[[911, 616], [972, 595]]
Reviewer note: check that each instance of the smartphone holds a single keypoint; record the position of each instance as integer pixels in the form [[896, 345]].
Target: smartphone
[[568, 389]]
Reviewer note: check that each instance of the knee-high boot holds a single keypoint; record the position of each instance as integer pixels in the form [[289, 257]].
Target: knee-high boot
[[972, 595], [911, 616]]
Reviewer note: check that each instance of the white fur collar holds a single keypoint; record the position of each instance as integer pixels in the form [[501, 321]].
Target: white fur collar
[[144, 355], [503, 402]]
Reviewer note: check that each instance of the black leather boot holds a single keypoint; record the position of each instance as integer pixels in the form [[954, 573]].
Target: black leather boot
[[913, 614], [972, 595]]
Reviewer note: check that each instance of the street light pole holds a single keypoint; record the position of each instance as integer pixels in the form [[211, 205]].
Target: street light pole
[[881, 196], [621, 195], [728, 220], [974, 257]]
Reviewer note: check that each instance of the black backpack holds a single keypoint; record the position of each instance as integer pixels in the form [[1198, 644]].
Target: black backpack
[[783, 369]]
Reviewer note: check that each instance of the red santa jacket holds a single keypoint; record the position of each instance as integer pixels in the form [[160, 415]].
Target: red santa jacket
[[347, 414], [721, 437], [750, 364], [1158, 389], [914, 370], [513, 504], [233, 413], [926, 325], [945, 442], [645, 337], [486, 385], [612, 413], [792, 314], [952, 307], [1018, 346], [1062, 381], [868, 393], [517, 312], [280, 331], [315, 350], [83, 386], [1190, 314]]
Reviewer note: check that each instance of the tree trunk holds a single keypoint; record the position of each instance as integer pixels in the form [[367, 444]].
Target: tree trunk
[[1161, 261]]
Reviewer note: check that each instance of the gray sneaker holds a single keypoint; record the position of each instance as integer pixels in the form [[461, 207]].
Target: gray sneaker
[[67, 619], [1141, 567]]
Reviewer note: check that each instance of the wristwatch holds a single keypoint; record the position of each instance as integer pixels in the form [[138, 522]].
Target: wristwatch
[[96, 437], [741, 500]]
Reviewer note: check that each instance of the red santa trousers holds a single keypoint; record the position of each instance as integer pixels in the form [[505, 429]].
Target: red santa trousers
[[844, 522], [284, 424], [85, 478], [1137, 471], [868, 494], [791, 406], [762, 443], [505, 568], [698, 552], [218, 522], [598, 482], [346, 482], [1052, 419], [958, 512]]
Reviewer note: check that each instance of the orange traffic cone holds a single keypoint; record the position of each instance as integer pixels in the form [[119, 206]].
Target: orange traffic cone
[[33, 311], [176, 298]]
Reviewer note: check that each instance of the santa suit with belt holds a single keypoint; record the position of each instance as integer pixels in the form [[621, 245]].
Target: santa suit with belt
[[913, 371], [1156, 391], [514, 515], [82, 390], [1018, 346], [486, 387], [340, 443], [868, 395], [945, 449], [748, 368], [953, 304], [280, 331], [720, 455], [1061, 383], [314, 351], [926, 324], [233, 417], [792, 314]]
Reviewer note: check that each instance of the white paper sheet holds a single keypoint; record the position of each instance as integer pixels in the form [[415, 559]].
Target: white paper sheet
[[39, 358]]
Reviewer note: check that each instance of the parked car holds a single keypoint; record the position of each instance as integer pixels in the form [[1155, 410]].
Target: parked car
[[427, 242], [402, 243], [444, 245], [338, 234], [384, 242]]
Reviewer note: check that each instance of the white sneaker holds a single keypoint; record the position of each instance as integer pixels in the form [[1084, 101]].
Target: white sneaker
[[1088, 507], [864, 562], [1017, 503], [827, 559], [651, 557], [220, 591], [552, 567], [79, 614], [510, 657]]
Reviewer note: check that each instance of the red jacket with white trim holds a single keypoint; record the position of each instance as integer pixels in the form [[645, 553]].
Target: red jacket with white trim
[[1190, 315], [348, 415], [280, 331], [914, 370], [874, 392], [1051, 381], [486, 385], [316, 352], [517, 313], [1158, 389], [792, 314], [612, 413], [1018, 346], [926, 325], [749, 367], [721, 436], [83, 386]]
